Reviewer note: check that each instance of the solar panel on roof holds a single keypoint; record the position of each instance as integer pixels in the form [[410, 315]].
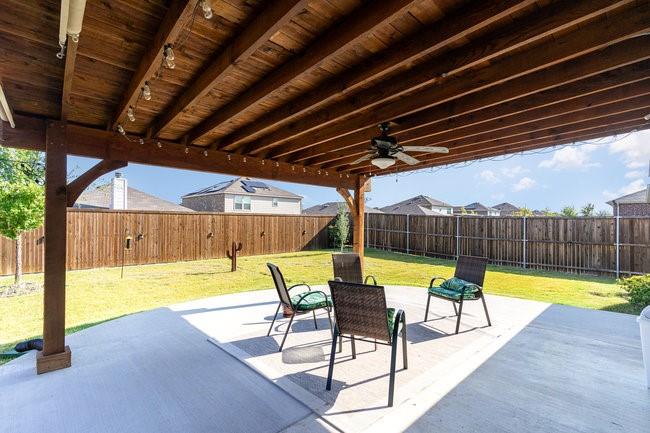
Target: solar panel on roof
[[255, 184], [248, 188]]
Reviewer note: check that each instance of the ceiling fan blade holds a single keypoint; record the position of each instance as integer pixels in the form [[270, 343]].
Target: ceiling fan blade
[[363, 158], [406, 158], [427, 149]]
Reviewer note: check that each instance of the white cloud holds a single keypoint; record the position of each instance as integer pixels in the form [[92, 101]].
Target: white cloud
[[634, 174], [572, 157], [489, 176], [634, 186], [524, 184], [635, 149], [515, 171]]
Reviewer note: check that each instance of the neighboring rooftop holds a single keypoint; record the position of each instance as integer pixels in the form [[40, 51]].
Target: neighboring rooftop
[[100, 198], [332, 208], [244, 186], [506, 208], [475, 207], [419, 205], [633, 198]]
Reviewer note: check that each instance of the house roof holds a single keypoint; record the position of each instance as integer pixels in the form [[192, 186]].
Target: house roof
[[635, 197], [332, 208], [506, 207], [419, 205], [477, 207], [100, 197], [244, 186]]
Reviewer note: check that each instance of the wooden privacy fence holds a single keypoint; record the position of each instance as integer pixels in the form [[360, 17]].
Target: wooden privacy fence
[[98, 238], [609, 245]]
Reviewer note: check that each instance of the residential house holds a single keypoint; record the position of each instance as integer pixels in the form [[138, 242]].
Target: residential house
[[635, 204], [476, 208], [244, 195], [332, 208], [506, 209], [420, 205], [119, 196]]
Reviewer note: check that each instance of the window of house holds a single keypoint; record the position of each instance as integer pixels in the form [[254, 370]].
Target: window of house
[[242, 202], [275, 202]]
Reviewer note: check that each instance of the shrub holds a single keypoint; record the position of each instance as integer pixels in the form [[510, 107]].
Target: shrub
[[638, 290]]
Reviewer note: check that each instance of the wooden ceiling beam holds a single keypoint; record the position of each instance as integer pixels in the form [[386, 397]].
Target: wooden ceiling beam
[[625, 109], [558, 140], [452, 28], [357, 25], [68, 75], [588, 38], [464, 152], [108, 145], [619, 98], [497, 43], [267, 23], [174, 21]]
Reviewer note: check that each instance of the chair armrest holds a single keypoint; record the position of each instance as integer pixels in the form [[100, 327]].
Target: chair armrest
[[305, 294], [434, 279], [301, 284], [400, 316], [469, 285], [374, 280]]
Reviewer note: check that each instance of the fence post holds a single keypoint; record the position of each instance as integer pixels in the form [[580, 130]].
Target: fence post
[[408, 234], [524, 245], [618, 240], [457, 236]]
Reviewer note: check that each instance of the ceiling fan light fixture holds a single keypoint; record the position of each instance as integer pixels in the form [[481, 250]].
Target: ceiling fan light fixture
[[382, 162]]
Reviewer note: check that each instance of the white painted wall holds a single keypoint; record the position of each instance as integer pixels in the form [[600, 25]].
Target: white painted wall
[[442, 210], [286, 206], [119, 193]]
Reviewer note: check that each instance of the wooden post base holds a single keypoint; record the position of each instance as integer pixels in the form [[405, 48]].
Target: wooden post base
[[56, 361]]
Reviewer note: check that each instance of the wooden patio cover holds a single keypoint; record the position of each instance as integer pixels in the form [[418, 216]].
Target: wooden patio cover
[[293, 90]]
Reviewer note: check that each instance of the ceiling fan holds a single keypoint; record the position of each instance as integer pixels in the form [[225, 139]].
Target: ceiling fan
[[385, 150]]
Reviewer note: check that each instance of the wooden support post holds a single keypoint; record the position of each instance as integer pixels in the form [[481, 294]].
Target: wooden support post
[[359, 217], [55, 354]]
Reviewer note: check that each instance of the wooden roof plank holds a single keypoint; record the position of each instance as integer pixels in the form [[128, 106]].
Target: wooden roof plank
[[68, 75], [355, 26]]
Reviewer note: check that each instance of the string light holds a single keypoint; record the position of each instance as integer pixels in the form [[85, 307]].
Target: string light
[[141, 141], [262, 162], [168, 54], [159, 144], [277, 164], [130, 114], [187, 150], [228, 157], [120, 129], [205, 152], [146, 91], [207, 9], [244, 160], [304, 170]]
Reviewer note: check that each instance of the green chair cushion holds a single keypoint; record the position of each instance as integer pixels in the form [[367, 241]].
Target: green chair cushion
[[451, 294], [390, 313], [311, 301], [456, 284]]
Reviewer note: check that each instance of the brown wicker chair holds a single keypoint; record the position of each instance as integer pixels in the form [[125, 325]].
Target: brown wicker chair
[[360, 312], [472, 271], [347, 267], [301, 303]]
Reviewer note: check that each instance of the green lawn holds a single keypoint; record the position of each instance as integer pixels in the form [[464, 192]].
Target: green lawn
[[98, 295]]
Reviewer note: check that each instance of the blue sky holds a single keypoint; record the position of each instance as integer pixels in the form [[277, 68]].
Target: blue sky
[[591, 172]]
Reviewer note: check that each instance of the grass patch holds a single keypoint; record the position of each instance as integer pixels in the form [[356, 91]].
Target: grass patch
[[97, 295]]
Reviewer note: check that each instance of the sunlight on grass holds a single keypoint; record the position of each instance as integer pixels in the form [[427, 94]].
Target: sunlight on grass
[[100, 294]]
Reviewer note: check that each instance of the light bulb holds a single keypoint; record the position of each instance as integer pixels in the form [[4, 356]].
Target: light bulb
[[141, 141], [169, 52], [130, 114], [207, 9], [159, 144], [170, 64], [187, 149], [146, 91], [205, 153], [646, 117], [120, 129]]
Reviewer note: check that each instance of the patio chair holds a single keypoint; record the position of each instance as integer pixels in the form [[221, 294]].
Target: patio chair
[[466, 285], [347, 267], [300, 303], [360, 313]]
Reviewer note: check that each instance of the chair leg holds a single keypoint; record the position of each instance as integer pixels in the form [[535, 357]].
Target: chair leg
[[340, 341], [487, 315], [455, 309], [330, 370], [315, 322], [354, 348], [460, 312], [286, 332], [375, 344], [391, 383], [329, 317], [274, 316], [404, 351], [426, 313]]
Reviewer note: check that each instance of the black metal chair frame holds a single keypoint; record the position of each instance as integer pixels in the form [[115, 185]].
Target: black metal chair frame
[[338, 273], [475, 281], [285, 299], [398, 328]]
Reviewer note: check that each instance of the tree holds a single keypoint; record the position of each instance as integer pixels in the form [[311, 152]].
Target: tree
[[524, 212], [342, 226], [569, 211], [549, 213], [22, 198], [603, 213], [587, 210]]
